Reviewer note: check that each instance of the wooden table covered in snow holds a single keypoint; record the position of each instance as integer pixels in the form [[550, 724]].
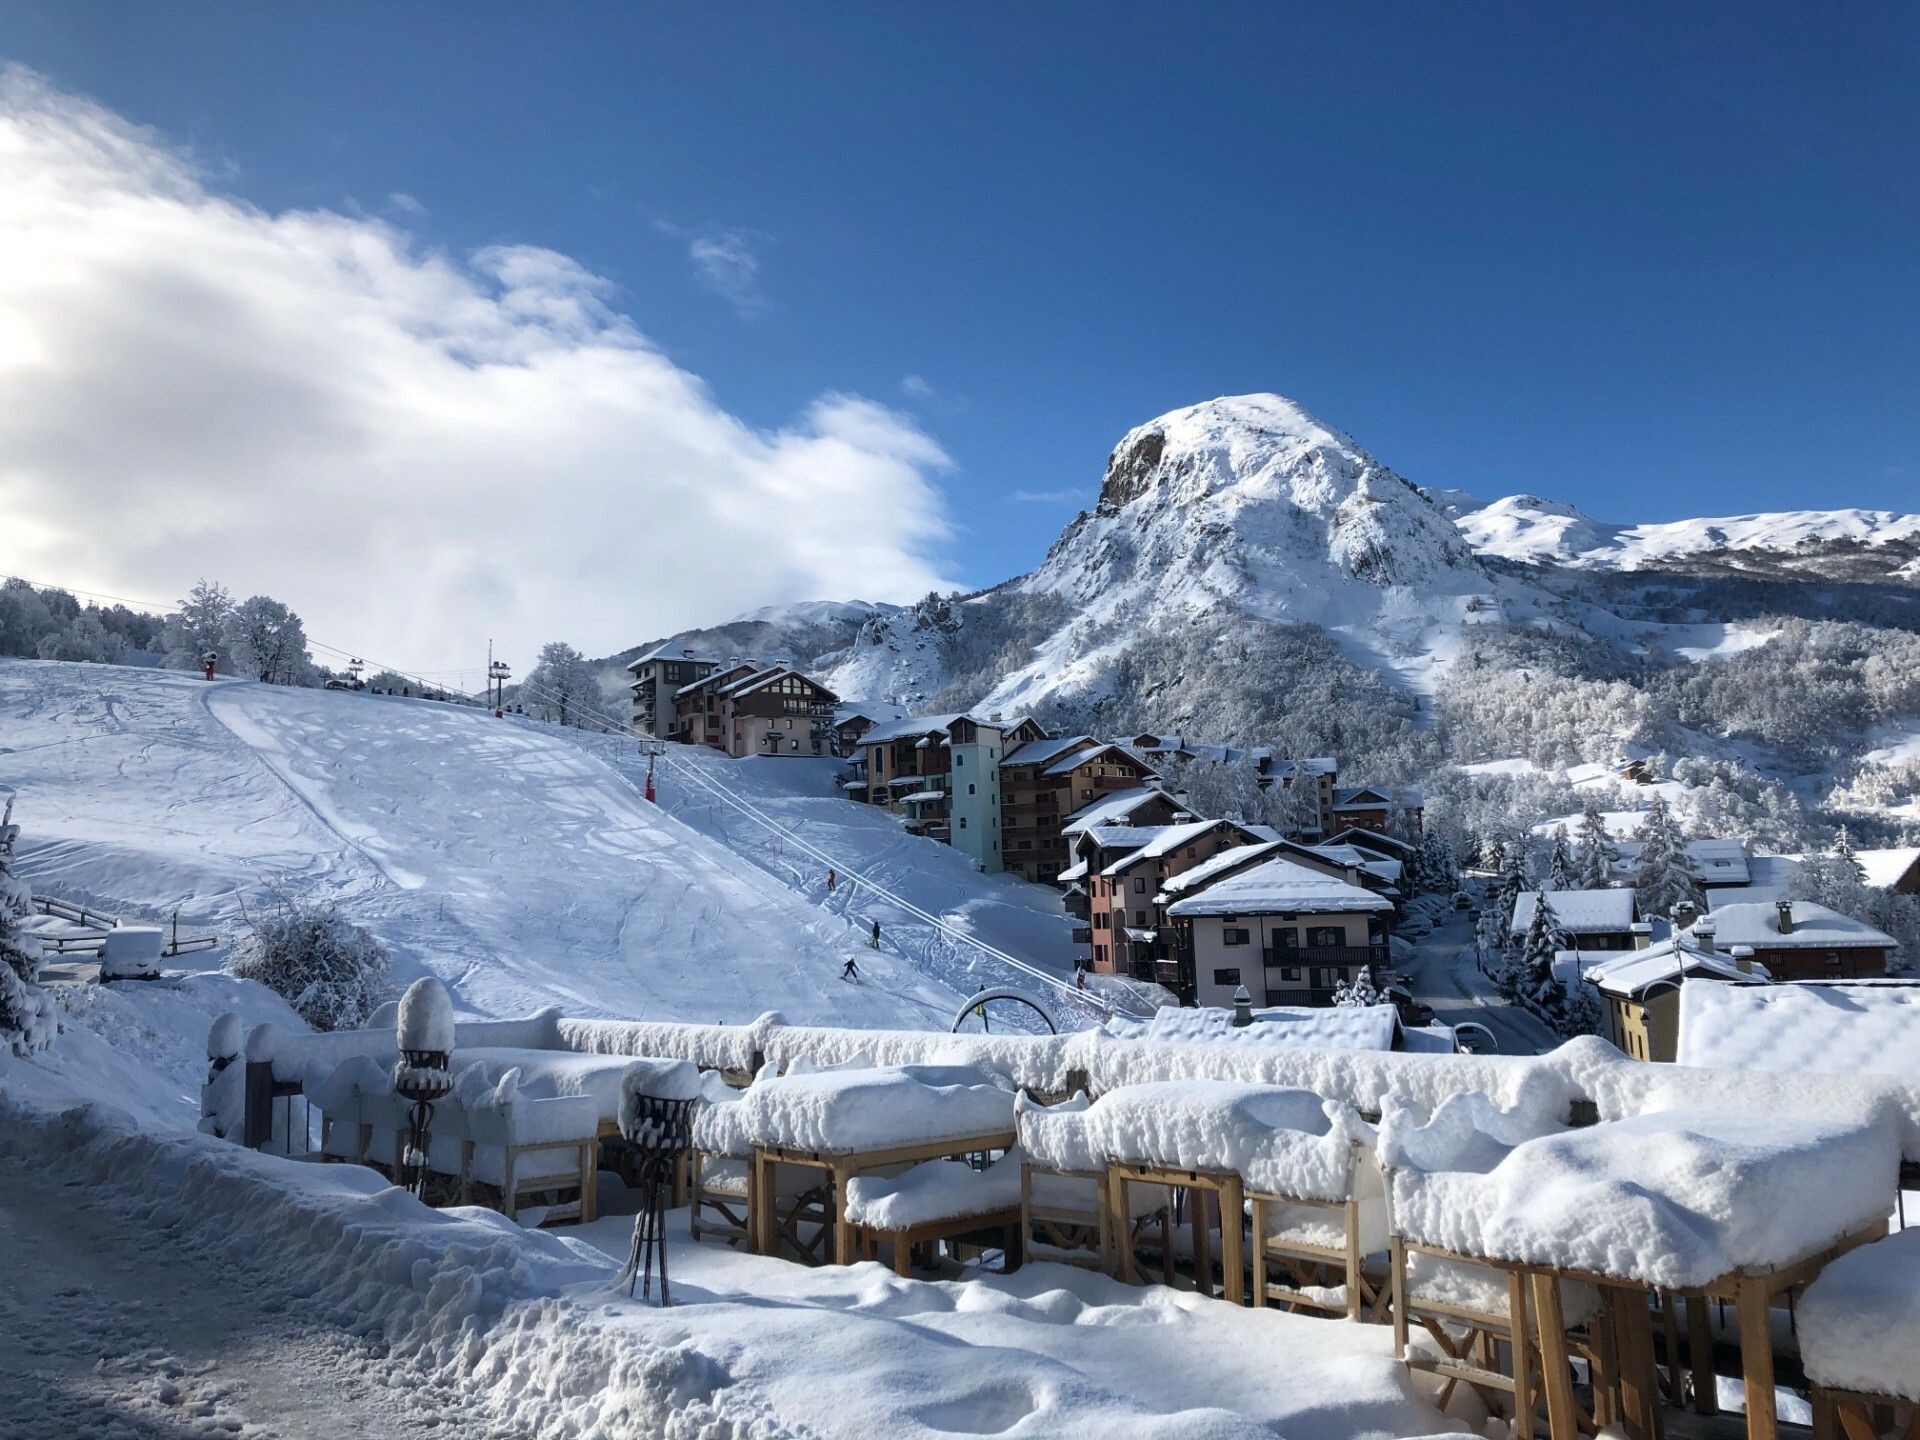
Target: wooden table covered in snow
[[545, 1073], [1721, 1205], [849, 1122]]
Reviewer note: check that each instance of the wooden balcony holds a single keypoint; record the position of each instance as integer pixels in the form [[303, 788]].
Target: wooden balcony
[[1342, 955]]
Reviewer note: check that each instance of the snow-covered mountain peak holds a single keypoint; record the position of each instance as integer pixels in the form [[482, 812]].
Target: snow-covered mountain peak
[[1250, 498]]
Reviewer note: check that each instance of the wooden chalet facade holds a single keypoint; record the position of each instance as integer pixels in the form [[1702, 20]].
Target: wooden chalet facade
[[748, 709], [1042, 782]]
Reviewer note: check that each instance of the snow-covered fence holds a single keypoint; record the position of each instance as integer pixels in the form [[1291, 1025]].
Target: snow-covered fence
[[1584, 1080]]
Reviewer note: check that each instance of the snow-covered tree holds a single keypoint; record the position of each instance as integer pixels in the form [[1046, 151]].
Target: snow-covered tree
[[561, 687], [333, 972], [27, 1021], [1663, 875], [1533, 979], [1560, 867], [1293, 809], [1360, 991], [199, 626], [268, 642], [1846, 860], [1596, 856]]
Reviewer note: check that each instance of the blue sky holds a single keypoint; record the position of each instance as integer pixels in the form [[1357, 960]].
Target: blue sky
[[1658, 261]]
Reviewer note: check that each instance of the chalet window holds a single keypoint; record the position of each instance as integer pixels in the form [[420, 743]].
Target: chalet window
[[1290, 972], [1326, 935], [1325, 977], [963, 822], [1140, 886], [1226, 977], [969, 789], [958, 761], [1140, 919], [1233, 935], [1286, 939]]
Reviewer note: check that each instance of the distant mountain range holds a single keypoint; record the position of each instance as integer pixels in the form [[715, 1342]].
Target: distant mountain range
[[1248, 572]]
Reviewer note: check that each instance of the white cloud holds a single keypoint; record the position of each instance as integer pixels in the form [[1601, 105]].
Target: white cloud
[[415, 451], [729, 267], [1064, 496], [915, 388]]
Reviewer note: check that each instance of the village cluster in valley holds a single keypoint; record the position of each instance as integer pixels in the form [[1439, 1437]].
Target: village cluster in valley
[[1220, 910]]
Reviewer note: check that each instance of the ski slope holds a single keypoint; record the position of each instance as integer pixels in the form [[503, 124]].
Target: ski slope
[[786, 814], [500, 856]]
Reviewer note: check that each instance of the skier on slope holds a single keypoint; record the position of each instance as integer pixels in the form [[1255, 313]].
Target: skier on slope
[[833, 878], [875, 941], [851, 970]]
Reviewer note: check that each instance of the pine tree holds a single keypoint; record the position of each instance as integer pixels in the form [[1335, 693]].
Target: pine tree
[[1663, 875], [1846, 860], [26, 1014], [1560, 868], [1596, 856], [1535, 983]]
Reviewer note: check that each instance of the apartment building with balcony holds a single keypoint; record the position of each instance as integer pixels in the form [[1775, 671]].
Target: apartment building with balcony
[[658, 676], [750, 709], [1042, 783], [1124, 896], [1289, 932]]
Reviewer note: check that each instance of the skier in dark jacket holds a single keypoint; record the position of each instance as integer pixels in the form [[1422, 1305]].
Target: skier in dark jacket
[[875, 941], [851, 970]]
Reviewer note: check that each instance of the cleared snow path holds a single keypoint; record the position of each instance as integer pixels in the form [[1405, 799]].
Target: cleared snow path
[[1445, 977], [117, 1331]]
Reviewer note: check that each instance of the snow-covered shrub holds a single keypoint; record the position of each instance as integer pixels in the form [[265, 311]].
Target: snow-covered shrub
[[27, 1020], [333, 972]]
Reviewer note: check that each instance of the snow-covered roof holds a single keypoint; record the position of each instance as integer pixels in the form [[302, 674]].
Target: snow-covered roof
[[671, 652], [1279, 886], [1319, 1027], [1206, 870], [908, 727], [1715, 861], [1634, 973], [1581, 912], [1373, 840], [1886, 868], [1165, 840], [1117, 837], [1086, 756], [1044, 752], [1815, 927], [1075, 871], [1861, 1029], [1111, 809], [920, 795]]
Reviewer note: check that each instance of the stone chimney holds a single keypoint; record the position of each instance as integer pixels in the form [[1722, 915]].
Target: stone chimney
[[1642, 931], [1242, 1008], [1684, 914], [1785, 907], [1743, 958], [1704, 930]]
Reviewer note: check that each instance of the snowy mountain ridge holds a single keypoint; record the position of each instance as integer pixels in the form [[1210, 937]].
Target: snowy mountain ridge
[[1536, 531]]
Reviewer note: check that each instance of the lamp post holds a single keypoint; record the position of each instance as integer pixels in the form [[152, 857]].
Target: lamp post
[[424, 1072]]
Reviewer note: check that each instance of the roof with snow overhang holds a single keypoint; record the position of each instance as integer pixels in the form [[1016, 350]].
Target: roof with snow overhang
[[1279, 886], [1113, 809], [1815, 927], [1671, 961], [1044, 752], [1887, 868], [1580, 912]]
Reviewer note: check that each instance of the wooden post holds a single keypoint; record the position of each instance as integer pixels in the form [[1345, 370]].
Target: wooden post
[[1355, 1305], [1555, 1377], [1116, 1203], [1601, 1346], [902, 1256], [1259, 1253], [1639, 1385], [1233, 1263], [761, 1204], [1198, 1226], [1826, 1424], [1397, 1264], [256, 1126], [1706, 1385], [1756, 1357], [843, 1251], [1522, 1355]]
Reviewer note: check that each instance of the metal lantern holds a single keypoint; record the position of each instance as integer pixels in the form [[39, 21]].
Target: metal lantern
[[422, 1077], [660, 1132]]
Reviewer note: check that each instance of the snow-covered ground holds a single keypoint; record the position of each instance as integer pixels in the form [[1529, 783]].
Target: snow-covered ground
[[499, 855]]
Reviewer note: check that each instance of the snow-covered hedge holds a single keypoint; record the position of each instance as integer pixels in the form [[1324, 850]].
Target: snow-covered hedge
[[27, 1022], [333, 972]]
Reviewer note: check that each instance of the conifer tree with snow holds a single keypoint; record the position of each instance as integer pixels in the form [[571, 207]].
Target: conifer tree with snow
[[1596, 856], [1845, 859], [1663, 876], [27, 1021], [1534, 983], [1560, 867]]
